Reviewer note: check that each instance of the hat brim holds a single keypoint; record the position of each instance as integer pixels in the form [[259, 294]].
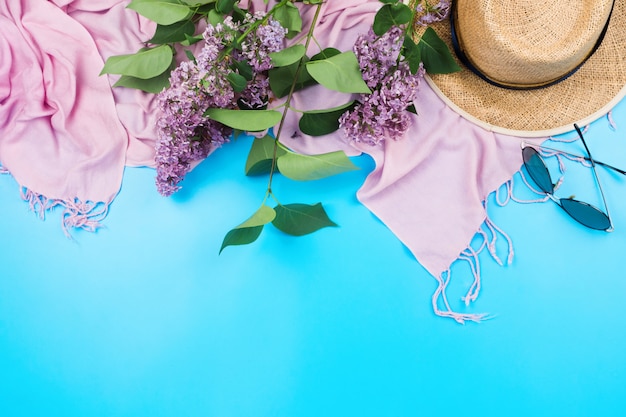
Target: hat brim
[[588, 94]]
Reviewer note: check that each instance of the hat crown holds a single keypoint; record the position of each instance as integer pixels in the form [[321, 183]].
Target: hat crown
[[529, 42]]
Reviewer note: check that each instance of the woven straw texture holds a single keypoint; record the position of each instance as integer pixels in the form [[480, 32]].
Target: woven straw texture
[[583, 97]]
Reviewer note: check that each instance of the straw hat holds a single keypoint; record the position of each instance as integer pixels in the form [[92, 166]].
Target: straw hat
[[539, 66]]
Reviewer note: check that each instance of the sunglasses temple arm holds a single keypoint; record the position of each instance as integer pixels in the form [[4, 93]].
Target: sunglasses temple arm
[[586, 158], [595, 174], [620, 171]]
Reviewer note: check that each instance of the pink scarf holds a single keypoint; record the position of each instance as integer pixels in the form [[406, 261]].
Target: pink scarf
[[66, 135]]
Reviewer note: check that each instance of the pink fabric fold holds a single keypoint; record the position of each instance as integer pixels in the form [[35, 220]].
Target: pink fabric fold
[[67, 135], [429, 188]]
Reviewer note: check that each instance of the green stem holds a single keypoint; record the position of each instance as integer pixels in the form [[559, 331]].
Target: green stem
[[287, 104]]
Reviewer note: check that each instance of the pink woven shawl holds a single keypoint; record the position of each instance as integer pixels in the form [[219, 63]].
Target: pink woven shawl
[[66, 135]]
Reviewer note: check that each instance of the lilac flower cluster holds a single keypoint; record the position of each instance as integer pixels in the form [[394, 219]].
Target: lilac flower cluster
[[185, 135], [259, 43], [432, 13], [383, 113], [378, 55]]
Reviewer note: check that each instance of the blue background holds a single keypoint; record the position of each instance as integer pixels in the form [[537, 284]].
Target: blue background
[[143, 318]]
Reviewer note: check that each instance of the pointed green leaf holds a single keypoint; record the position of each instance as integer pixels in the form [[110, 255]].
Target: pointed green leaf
[[239, 15], [215, 18], [282, 78], [289, 18], [287, 56], [197, 2], [313, 167], [243, 236], [435, 54], [325, 53], [190, 40], [190, 56], [151, 85], [144, 64], [225, 6], [412, 54], [244, 69], [249, 231], [176, 32], [262, 216], [248, 120], [301, 219], [322, 122], [261, 155], [340, 73], [163, 12], [238, 82], [391, 15]]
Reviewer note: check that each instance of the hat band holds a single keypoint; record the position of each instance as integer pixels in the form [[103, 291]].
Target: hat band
[[456, 44]]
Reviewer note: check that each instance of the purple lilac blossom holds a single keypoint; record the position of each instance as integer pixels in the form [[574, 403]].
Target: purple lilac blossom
[[255, 50], [185, 135], [260, 43], [432, 13], [377, 55], [383, 113]]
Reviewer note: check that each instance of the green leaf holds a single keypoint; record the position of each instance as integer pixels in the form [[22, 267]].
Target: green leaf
[[325, 53], [238, 82], [340, 73], [313, 167], [151, 85], [248, 120], [412, 54], [243, 236], [190, 56], [435, 54], [144, 64], [225, 6], [322, 122], [261, 217], [163, 12], [244, 69], [197, 2], [261, 155], [301, 219], [239, 15], [176, 32], [391, 15], [190, 40], [282, 78], [287, 56], [289, 18], [249, 231], [215, 18]]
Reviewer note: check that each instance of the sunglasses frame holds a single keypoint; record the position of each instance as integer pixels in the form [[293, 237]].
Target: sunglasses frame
[[559, 201]]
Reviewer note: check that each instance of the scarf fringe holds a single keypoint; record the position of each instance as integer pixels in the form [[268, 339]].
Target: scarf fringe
[[488, 233], [77, 214]]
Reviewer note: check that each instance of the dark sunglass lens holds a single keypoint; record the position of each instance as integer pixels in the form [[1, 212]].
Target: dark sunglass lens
[[586, 214], [537, 170]]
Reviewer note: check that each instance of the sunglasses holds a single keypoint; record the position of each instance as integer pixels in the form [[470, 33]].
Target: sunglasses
[[582, 212]]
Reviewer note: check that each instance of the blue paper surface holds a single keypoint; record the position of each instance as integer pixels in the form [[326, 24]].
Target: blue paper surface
[[144, 318]]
